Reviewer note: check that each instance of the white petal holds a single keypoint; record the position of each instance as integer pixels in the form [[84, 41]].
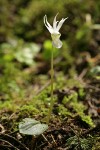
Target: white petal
[[47, 22], [55, 22], [49, 27], [60, 24]]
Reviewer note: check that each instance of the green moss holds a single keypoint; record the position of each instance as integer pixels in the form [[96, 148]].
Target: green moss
[[78, 107], [8, 105], [96, 145], [30, 109], [76, 142], [81, 92], [74, 83], [62, 111]]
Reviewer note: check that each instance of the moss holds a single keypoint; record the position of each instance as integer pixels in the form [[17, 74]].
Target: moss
[[62, 111], [78, 107], [81, 93], [77, 142], [30, 109], [74, 83], [8, 105], [96, 145]]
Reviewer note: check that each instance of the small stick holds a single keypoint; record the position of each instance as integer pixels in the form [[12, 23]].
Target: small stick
[[10, 138], [53, 139], [46, 139], [9, 144]]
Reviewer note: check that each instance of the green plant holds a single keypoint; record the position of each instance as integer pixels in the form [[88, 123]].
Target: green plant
[[56, 42], [78, 107]]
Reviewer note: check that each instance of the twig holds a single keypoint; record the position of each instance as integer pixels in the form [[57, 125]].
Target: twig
[[46, 139], [9, 144], [10, 138], [92, 87], [2, 129], [53, 139], [83, 73]]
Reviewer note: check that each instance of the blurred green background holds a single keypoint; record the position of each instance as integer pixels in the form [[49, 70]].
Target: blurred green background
[[25, 43], [24, 19]]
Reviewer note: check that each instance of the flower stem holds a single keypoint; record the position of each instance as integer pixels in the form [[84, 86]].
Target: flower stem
[[52, 98]]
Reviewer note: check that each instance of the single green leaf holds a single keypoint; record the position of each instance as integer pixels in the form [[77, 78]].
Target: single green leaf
[[32, 127]]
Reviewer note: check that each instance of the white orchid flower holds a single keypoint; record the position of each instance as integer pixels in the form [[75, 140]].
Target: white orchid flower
[[54, 30]]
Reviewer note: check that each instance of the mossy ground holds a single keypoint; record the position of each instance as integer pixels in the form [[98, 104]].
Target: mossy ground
[[71, 123]]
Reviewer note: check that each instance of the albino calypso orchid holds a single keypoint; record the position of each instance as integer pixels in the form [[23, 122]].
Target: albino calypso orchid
[[54, 30]]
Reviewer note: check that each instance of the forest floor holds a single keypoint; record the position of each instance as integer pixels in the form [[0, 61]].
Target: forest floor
[[75, 120]]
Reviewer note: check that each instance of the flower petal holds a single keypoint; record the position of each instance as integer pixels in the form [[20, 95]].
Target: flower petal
[[60, 23], [55, 22], [49, 27], [47, 22]]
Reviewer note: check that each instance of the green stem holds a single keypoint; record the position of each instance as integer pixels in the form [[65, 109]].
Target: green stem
[[52, 100]]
